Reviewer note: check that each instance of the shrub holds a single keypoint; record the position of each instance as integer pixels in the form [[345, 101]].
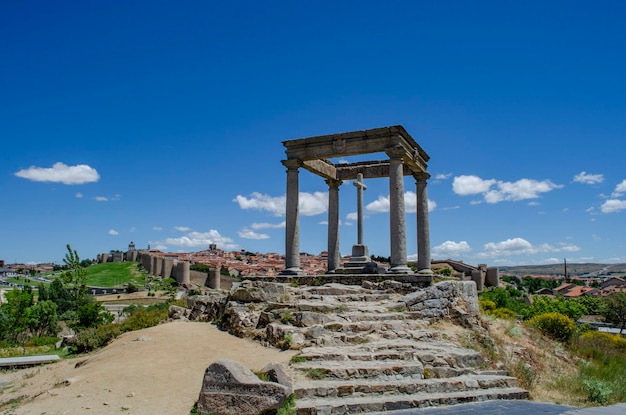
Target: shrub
[[554, 325], [141, 318], [597, 391], [503, 313], [95, 337], [487, 305]]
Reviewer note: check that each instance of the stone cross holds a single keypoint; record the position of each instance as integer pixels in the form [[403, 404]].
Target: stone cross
[[360, 186]]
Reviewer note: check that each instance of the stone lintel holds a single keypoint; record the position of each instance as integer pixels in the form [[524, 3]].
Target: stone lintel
[[369, 170], [356, 143], [322, 168]]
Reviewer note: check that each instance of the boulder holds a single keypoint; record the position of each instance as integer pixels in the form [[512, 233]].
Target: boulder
[[229, 388]]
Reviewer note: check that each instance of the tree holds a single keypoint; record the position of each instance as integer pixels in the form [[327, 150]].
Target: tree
[[75, 279], [42, 319], [616, 310]]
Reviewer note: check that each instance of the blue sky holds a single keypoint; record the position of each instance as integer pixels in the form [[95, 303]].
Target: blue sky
[[162, 123]]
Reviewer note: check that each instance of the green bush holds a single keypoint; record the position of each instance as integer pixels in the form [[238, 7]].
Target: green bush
[[95, 337], [597, 391], [554, 325], [503, 313], [42, 341], [486, 305], [141, 318]]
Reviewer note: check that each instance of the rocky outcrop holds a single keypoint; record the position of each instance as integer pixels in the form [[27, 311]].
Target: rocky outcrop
[[228, 388]]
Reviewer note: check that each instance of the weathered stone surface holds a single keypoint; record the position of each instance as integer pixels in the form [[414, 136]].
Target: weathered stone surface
[[178, 313], [206, 307], [229, 388], [258, 291]]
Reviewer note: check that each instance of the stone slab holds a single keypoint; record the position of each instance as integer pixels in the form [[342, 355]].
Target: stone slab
[[28, 360]]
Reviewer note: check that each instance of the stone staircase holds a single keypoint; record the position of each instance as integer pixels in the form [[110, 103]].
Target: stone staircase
[[370, 348], [366, 351]]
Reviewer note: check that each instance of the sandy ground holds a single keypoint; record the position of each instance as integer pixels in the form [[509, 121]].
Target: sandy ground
[[153, 371]]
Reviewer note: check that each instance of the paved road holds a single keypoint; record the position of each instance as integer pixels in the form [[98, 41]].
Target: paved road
[[511, 408]]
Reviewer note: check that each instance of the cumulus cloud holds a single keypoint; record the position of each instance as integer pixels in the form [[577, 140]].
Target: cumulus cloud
[[613, 205], [310, 204], [60, 173], [451, 249], [157, 228], [246, 233], [268, 225], [101, 199], [352, 216], [585, 178], [113, 232], [503, 191], [471, 185], [520, 246], [79, 195], [620, 189], [182, 228], [200, 239], [381, 205]]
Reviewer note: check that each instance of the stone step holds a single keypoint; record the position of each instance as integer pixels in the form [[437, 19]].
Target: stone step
[[309, 389], [431, 353], [359, 369], [344, 298], [397, 326], [381, 403]]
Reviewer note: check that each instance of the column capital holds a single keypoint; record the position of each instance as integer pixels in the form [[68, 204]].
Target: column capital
[[421, 177], [333, 183], [292, 163], [395, 152]]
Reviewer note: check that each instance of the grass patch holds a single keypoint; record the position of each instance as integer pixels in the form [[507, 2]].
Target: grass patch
[[315, 373], [114, 274]]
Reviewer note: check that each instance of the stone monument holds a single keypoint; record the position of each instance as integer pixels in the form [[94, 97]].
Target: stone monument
[[406, 158]]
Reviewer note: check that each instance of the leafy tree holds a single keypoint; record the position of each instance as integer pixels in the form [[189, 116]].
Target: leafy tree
[[92, 314], [42, 319], [18, 301], [616, 310], [75, 279], [543, 304]]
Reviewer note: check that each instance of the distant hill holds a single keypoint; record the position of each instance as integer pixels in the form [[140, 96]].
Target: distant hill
[[573, 270]]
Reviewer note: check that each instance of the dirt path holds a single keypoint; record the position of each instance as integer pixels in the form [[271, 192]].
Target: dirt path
[[153, 371]]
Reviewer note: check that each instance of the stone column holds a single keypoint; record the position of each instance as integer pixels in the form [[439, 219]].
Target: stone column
[[333, 224], [423, 227], [292, 217], [397, 215]]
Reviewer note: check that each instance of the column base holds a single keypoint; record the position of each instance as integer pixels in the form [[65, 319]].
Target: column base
[[425, 271], [292, 271], [400, 269]]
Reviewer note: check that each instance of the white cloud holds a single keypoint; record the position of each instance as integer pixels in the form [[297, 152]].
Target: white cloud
[[381, 205], [60, 173], [352, 216], [613, 205], [132, 229], [201, 239], [471, 185], [519, 190], [504, 191], [451, 249], [79, 195], [249, 234], [268, 225], [585, 178], [310, 204], [520, 246], [443, 176], [620, 189], [157, 228], [182, 228], [101, 199], [113, 232]]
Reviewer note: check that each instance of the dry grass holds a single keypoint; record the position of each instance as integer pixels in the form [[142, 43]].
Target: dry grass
[[543, 366]]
